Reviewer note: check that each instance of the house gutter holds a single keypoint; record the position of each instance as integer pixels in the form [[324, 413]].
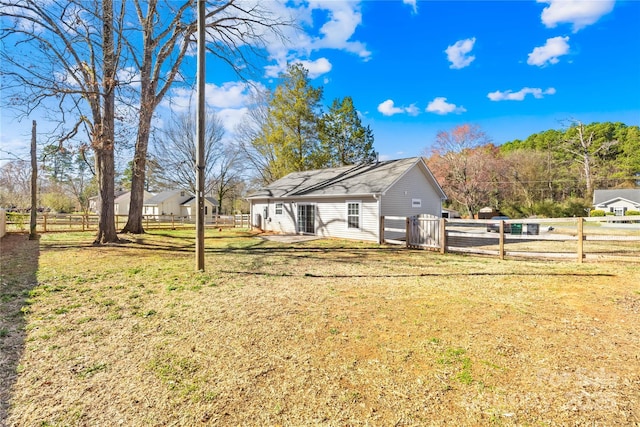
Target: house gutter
[[378, 199]]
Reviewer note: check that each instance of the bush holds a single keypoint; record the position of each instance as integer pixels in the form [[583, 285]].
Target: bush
[[575, 207], [632, 213], [596, 212]]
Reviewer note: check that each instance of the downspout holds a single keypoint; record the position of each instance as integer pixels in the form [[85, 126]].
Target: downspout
[[378, 198]]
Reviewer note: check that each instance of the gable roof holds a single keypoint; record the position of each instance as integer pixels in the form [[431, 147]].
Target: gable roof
[[353, 180], [605, 196], [166, 195]]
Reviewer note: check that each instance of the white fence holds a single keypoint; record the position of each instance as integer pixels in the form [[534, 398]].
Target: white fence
[[598, 238]]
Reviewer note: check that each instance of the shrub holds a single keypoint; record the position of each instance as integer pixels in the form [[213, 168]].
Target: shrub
[[632, 213], [596, 212]]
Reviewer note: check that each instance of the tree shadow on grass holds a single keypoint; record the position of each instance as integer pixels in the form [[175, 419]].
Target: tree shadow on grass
[[18, 275]]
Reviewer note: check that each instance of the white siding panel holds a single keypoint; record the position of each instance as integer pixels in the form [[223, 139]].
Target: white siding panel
[[397, 201], [284, 223], [331, 217]]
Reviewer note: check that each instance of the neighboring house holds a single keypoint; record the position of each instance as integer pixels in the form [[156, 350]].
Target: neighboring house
[[617, 201], [178, 203], [95, 203], [347, 202], [121, 203]]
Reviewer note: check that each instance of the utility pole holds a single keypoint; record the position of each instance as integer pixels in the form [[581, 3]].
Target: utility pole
[[34, 186], [200, 129]]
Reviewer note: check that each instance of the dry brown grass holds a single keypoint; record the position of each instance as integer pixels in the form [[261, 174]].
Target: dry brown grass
[[324, 332]]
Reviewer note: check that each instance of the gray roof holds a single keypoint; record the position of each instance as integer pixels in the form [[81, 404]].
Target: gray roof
[[363, 179], [602, 196]]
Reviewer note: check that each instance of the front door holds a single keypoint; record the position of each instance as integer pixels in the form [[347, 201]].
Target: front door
[[306, 219]]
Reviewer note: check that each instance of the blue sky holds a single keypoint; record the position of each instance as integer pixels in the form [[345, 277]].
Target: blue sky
[[414, 68]]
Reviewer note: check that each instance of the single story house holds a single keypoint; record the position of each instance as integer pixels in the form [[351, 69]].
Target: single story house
[[349, 201], [95, 203], [122, 202], [617, 201], [178, 203]]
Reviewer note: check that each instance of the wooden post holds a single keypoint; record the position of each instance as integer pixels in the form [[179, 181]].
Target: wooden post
[[173, 222], [381, 231], [443, 235], [501, 250], [407, 231], [44, 223], [580, 239], [34, 186]]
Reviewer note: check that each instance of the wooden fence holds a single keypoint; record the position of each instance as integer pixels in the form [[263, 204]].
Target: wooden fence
[[598, 238], [48, 222]]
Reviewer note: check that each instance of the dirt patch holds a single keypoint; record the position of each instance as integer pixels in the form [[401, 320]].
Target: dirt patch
[[323, 332]]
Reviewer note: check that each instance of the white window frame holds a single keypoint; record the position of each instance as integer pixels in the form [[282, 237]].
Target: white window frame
[[279, 206], [349, 215]]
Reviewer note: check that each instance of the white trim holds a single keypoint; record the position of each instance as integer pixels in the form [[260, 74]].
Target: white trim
[[354, 202]]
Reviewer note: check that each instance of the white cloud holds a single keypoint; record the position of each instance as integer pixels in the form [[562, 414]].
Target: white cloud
[[412, 110], [580, 13], [521, 94], [413, 4], [230, 95], [318, 67], [441, 106], [554, 48], [388, 108], [341, 18], [457, 53]]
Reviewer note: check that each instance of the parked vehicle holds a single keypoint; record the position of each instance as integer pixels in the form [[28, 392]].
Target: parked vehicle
[[495, 225]]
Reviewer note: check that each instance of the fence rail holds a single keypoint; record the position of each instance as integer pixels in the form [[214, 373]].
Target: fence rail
[[47, 222], [608, 238]]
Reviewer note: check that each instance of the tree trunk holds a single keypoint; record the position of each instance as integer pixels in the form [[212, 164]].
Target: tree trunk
[[105, 167], [104, 135], [136, 204]]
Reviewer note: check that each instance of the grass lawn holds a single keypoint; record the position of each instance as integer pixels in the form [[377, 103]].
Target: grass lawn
[[324, 332]]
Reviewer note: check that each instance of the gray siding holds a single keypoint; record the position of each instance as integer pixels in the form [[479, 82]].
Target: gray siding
[[415, 184]]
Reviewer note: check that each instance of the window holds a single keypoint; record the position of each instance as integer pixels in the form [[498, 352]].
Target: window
[[353, 215], [619, 211], [278, 208]]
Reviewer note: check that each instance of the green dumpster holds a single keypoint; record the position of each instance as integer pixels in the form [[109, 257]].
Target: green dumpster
[[516, 229]]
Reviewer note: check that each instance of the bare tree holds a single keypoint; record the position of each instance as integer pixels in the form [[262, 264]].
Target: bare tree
[[164, 46], [67, 52], [175, 152], [463, 167], [228, 174], [582, 144], [237, 33], [15, 181], [251, 138]]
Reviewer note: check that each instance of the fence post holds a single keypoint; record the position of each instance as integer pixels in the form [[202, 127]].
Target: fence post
[[501, 250], [44, 223], [580, 239], [173, 224], [443, 236], [407, 231], [381, 231]]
